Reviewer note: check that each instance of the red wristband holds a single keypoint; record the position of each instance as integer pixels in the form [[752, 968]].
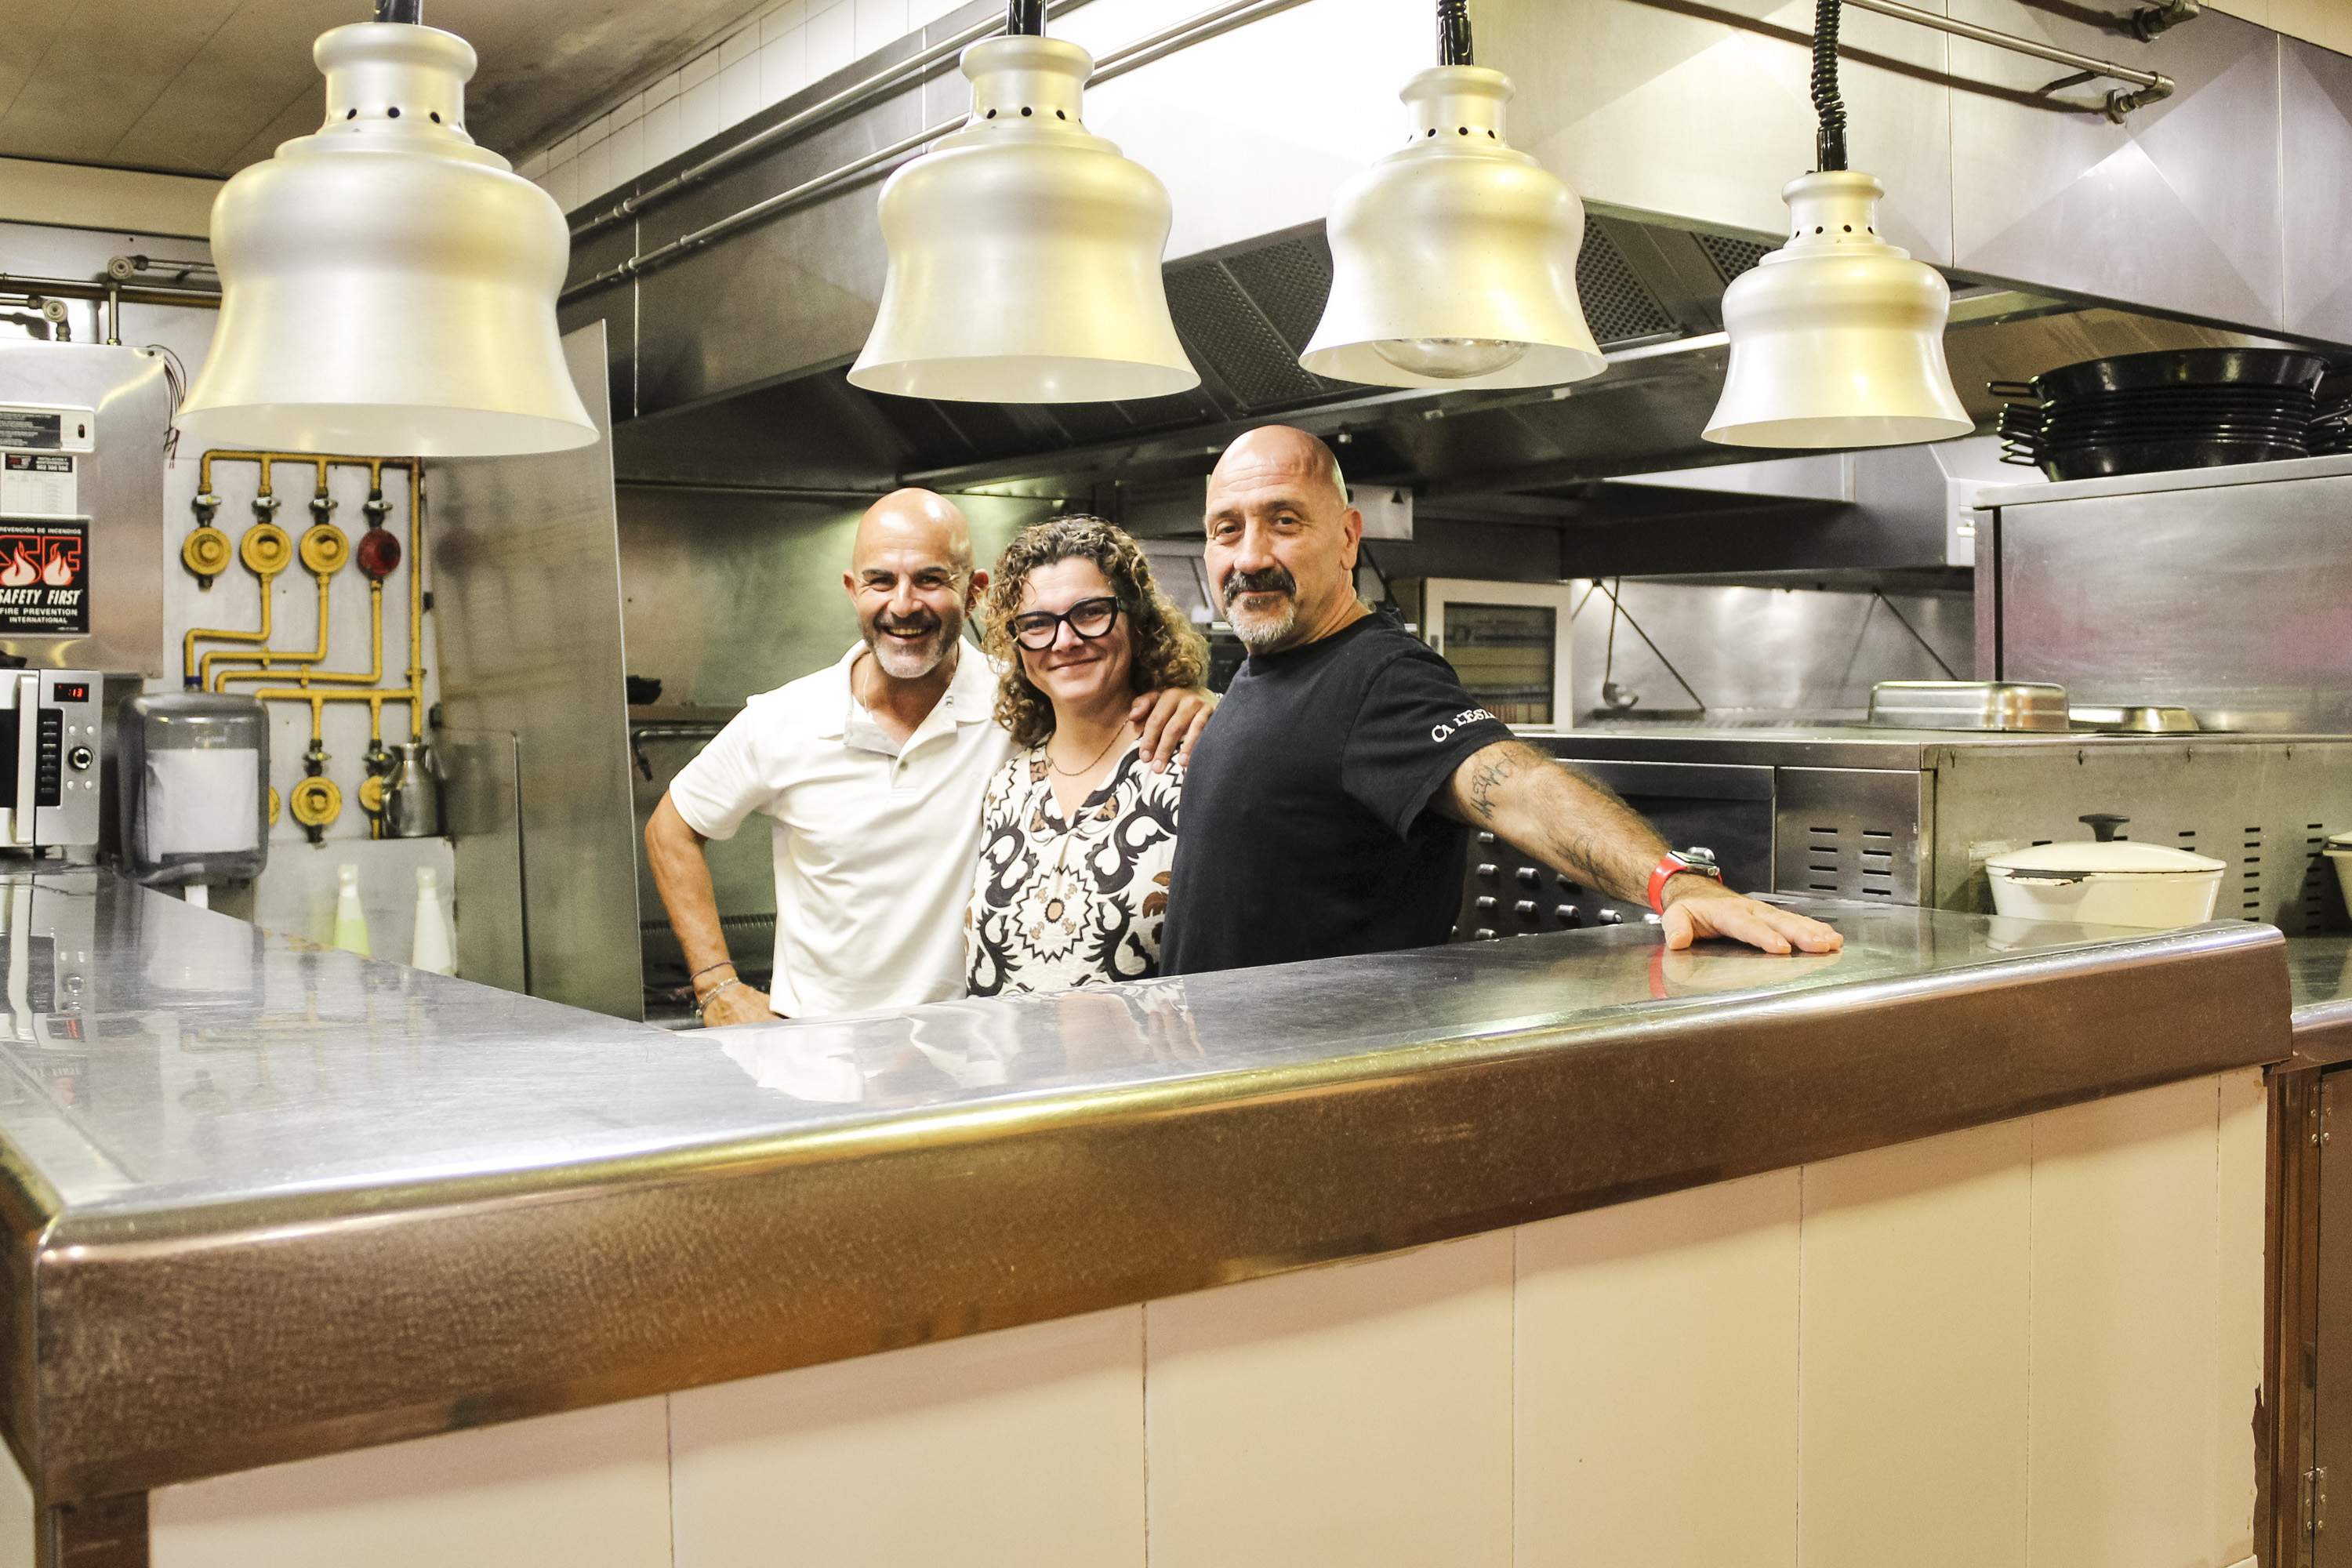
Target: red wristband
[[1673, 865]]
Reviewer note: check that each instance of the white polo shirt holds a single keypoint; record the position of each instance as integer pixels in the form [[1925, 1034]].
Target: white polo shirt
[[874, 850]]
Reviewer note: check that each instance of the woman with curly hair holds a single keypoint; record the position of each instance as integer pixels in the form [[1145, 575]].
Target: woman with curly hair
[[1078, 831]]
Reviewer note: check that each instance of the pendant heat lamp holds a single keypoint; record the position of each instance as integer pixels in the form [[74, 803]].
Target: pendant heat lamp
[[1837, 338], [387, 286], [1024, 250], [1453, 260]]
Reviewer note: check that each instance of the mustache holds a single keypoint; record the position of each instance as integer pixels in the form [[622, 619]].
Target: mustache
[[1270, 580]]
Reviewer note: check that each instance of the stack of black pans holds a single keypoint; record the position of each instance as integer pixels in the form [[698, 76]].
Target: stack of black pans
[[2178, 408], [2331, 421]]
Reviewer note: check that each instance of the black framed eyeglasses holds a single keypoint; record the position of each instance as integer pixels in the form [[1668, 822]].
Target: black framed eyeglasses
[[1090, 618]]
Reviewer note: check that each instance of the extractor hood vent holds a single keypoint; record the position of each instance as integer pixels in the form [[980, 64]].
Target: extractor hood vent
[[1731, 257], [1617, 306], [1236, 337]]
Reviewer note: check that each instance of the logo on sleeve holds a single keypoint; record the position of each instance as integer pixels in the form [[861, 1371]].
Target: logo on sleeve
[[1467, 716]]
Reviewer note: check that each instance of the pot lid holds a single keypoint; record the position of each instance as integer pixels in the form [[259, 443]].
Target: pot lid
[[2116, 856]]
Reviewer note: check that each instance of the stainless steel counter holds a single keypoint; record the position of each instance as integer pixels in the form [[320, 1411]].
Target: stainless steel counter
[[2319, 969], [268, 1201]]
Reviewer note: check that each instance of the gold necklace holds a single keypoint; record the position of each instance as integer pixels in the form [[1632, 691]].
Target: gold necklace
[[1116, 736]]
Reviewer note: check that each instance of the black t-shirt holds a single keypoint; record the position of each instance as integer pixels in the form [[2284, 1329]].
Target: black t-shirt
[[1306, 833]]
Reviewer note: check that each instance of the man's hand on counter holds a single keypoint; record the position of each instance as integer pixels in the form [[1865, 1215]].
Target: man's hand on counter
[[1172, 720], [1699, 906], [737, 1004]]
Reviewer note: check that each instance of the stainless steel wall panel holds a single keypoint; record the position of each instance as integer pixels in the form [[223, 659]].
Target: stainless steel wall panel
[[2235, 601], [1852, 832], [2178, 207], [1703, 112], [481, 810], [121, 490], [528, 609], [2315, 195]]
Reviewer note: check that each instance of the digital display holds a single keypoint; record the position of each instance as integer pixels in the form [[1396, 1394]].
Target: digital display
[[70, 691]]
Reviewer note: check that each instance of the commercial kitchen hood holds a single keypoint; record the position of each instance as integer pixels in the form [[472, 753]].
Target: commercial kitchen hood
[[1651, 293]]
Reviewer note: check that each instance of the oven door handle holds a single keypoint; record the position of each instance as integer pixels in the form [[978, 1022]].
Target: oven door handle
[[29, 758]]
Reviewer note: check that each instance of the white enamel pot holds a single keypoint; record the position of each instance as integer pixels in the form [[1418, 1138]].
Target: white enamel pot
[[2116, 883]]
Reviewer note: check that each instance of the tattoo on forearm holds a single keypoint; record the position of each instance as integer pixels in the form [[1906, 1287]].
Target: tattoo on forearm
[[1485, 780]]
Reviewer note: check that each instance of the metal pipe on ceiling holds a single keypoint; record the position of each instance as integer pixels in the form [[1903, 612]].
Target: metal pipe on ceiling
[[2152, 85], [1143, 51], [855, 95]]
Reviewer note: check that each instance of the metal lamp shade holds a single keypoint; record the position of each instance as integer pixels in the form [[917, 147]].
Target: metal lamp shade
[[1453, 260], [1025, 251], [387, 287], [1837, 338]]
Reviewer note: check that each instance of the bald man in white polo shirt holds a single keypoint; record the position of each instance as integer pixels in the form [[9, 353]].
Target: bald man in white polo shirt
[[874, 771]]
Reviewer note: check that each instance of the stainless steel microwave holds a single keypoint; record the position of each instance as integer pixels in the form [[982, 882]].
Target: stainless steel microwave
[[51, 741]]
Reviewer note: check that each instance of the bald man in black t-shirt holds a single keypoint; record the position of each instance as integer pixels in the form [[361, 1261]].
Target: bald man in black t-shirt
[[1326, 809]]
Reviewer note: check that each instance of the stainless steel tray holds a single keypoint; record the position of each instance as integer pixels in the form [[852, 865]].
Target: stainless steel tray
[[1978, 705], [2143, 719]]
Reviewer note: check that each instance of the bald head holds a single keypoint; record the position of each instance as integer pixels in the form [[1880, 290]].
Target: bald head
[[911, 581], [920, 520], [1282, 452]]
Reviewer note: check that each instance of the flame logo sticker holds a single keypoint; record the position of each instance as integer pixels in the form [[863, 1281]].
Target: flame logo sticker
[[21, 571]]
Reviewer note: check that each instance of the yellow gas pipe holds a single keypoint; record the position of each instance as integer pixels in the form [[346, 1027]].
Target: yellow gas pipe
[[271, 659], [413, 694], [189, 670]]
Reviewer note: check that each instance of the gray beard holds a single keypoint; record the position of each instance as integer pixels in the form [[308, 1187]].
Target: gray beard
[[903, 663], [1262, 631]]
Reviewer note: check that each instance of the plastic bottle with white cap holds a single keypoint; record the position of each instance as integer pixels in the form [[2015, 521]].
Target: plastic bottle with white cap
[[350, 921], [433, 950]]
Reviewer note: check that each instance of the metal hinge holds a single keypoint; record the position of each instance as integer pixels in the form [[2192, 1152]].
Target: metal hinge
[[2314, 1500]]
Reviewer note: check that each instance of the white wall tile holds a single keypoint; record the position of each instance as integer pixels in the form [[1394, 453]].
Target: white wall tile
[[564, 183], [784, 66], [832, 39], [2124, 1330], [1912, 1378], [879, 23], [595, 172], [589, 1489], [1357, 1414], [532, 167], [563, 151], [1656, 1378], [630, 110], [626, 147], [1024, 1446], [662, 142], [702, 68], [779, 20], [665, 90], [926, 12], [739, 48], [2244, 1149], [739, 90], [596, 129], [701, 113]]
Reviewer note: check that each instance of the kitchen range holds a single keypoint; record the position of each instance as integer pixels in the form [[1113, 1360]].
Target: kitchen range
[[1551, 468]]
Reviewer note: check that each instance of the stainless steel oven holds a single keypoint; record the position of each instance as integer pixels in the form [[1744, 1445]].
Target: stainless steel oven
[[1909, 817]]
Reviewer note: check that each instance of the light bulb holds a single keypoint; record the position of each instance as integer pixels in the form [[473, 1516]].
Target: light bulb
[[1451, 359]]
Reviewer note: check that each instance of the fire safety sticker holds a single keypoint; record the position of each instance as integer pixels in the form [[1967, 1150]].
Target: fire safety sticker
[[44, 577]]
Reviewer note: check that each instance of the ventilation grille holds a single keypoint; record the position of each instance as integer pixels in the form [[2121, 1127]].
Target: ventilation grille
[[1289, 281], [1731, 257], [1229, 336], [1855, 862], [1617, 306]]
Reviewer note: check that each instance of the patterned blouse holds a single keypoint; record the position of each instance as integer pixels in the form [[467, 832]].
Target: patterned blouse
[[1058, 904]]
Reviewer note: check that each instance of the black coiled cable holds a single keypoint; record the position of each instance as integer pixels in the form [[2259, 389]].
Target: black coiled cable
[[1829, 141], [1024, 18], [1454, 33]]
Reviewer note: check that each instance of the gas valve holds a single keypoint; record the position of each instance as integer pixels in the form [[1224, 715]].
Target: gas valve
[[205, 552]]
